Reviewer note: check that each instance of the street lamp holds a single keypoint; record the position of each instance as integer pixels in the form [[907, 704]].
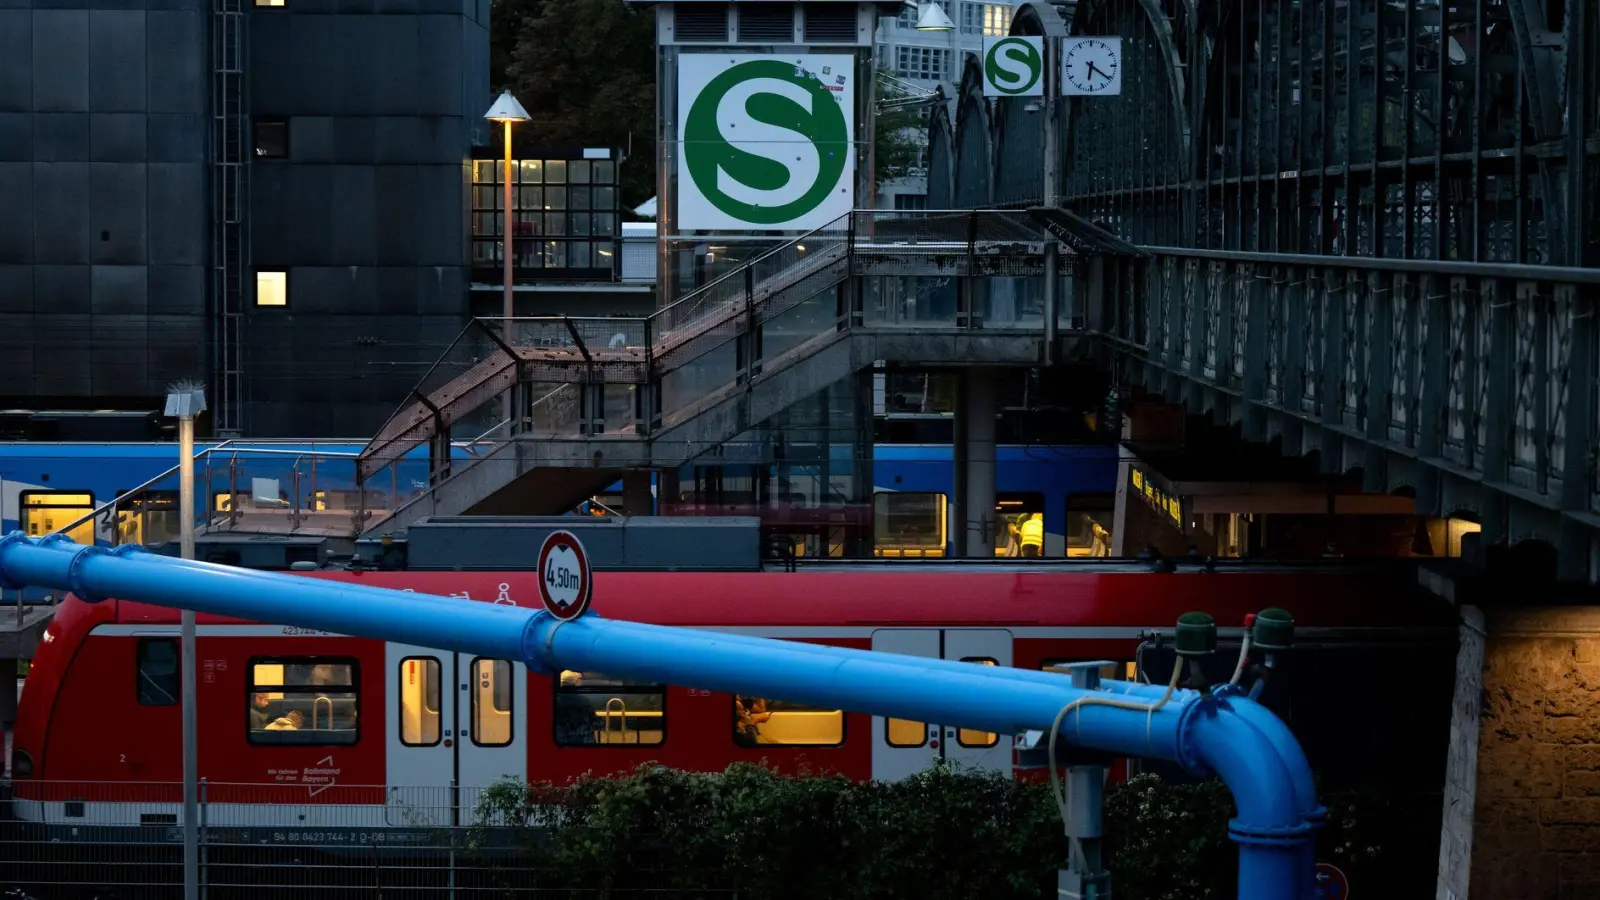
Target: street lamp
[[186, 401], [933, 18], [507, 111]]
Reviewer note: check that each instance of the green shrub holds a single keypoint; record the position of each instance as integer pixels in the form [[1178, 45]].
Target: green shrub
[[941, 834]]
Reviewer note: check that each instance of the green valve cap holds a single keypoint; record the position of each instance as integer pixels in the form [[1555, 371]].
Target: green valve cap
[[1197, 634], [1273, 629]]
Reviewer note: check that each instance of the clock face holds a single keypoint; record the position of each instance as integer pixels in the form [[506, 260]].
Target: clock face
[[1092, 65]]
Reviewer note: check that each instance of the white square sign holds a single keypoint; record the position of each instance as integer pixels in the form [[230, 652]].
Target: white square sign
[[1091, 66], [1013, 66], [765, 142]]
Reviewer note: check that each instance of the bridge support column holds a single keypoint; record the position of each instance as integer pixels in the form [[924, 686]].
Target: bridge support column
[[975, 460], [636, 498]]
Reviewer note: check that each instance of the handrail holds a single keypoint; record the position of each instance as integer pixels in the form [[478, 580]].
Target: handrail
[[316, 704], [225, 445]]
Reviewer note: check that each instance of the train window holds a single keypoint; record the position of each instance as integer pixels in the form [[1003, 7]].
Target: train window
[[909, 524], [758, 721], [491, 702], [905, 733], [222, 501], [303, 700], [45, 511], [1019, 520], [1089, 520], [148, 517], [419, 701], [593, 708], [968, 737], [158, 671]]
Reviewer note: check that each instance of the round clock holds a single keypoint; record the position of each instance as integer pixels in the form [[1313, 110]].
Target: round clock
[[1092, 65]]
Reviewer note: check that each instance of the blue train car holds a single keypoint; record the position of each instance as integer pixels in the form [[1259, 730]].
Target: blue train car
[[1068, 490]]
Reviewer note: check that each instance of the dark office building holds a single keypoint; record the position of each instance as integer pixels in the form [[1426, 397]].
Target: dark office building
[[269, 195]]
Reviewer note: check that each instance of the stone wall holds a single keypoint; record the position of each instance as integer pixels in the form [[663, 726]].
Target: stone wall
[[1537, 818]]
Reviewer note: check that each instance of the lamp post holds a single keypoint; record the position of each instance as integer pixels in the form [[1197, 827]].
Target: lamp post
[[186, 401], [507, 111], [933, 18]]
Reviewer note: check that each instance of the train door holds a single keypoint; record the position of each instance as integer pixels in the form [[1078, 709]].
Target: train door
[[420, 750], [493, 726], [901, 747], [978, 749]]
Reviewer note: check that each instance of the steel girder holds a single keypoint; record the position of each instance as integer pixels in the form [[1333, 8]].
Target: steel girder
[[1472, 386]]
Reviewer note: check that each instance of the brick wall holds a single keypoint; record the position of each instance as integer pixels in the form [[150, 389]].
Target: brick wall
[[1536, 829]]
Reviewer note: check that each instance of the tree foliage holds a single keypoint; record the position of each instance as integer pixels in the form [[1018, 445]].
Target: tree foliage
[[943, 834], [900, 134], [585, 71]]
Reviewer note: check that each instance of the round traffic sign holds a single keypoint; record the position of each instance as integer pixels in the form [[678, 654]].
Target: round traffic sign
[[565, 584], [1332, 884]]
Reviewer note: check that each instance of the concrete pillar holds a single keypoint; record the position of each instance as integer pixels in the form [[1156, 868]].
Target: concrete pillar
[[8, 695], [636, 497], [978, 409]]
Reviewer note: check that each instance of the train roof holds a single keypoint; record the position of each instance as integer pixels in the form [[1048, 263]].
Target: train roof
[[931, 596]]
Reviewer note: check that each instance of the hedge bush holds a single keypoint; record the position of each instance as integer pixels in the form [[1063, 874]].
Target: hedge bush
[[944, 833]]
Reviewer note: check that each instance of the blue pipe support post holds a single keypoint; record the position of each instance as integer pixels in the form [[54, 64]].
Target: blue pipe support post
[[1229, 736]]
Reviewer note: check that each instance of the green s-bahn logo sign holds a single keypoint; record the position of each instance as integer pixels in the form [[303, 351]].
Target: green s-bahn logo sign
[[765, 142], [1013, 67]]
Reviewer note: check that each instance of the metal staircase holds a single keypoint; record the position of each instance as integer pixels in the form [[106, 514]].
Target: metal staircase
[[594, 397]]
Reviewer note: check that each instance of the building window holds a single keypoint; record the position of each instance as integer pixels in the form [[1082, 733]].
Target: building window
[[492, 694], [158, 671], [271, 138], [1089, 519], [302, 700], [593, 708], [925, 63], [564, 213], [967, 737], [272, 288], [758, 721], [269, 2], [44, 512], [908, 16], [419, 701], [996, 20], [148, 517], [1020, 521], [905, 202], [909, 524]]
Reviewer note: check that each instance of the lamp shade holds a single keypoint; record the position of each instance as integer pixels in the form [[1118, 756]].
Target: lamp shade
[[507, 109], [934, 19]]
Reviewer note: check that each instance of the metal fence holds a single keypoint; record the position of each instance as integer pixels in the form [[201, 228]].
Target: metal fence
[[125, 841]]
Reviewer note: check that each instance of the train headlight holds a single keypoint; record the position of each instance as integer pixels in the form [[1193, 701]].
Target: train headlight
[[21, 763]]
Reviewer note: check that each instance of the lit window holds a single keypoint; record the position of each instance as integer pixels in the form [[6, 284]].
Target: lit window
[[302, 700], [271, 138], [272, 288], [44, 512], [223, 502], [909, 524], [967, 737], [491, 702], [758, 721], [158, 672], [593, 708], [905, 733], [996, 20], [1089, 519], [148, 517], [419, 701], [1020, 525], [269, 2]]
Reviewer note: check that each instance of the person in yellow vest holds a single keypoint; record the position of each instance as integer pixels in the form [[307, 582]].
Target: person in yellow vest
[[1032, 534]]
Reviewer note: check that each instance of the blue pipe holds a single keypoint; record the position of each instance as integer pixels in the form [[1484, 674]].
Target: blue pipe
[[1223, 735]]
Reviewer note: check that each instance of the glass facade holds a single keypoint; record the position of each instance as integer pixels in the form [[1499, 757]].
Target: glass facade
[[564, 217]]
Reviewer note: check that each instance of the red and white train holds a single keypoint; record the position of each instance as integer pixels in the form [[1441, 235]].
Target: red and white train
[[302, 728]]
